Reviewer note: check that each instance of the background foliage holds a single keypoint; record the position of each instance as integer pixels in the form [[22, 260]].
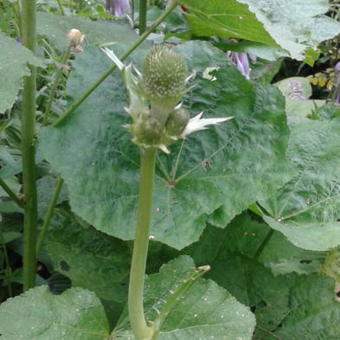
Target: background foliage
[[257, 199]]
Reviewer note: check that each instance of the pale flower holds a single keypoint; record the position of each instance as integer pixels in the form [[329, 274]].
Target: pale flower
[[117, 7]]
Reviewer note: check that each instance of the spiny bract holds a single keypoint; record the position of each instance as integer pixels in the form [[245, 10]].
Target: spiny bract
[[164, 73]]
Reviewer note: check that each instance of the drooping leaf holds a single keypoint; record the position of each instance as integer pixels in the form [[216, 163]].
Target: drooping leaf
[[228, 19], [37, 314], [247, 237], [204, 311], [319, 236], [89, 258], [287, 306], [14, 61], [304, 24], [226, 167], [306, 209]]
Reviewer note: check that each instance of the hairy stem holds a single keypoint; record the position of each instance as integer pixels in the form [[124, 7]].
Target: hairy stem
[[11, 194], [49, 212], [143, 4], [28, 17], [101, 78], [140, 250], [55, 85]]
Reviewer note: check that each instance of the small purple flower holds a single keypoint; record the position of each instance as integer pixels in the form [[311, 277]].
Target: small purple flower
[[241, 61], [337, 83], [295, 91], [117, 7]]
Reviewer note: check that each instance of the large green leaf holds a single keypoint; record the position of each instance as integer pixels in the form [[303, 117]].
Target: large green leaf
[[205, 311], [285, 306], [226, 167], [89, 258], [225, 18], [77, 314], [319, 236], [295, 25], [306, 209], [14, 60]]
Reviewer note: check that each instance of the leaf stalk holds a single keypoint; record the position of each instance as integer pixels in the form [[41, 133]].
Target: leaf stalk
[[49, 213]]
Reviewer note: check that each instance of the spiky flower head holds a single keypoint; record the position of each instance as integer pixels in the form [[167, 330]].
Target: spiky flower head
[[164, 75]]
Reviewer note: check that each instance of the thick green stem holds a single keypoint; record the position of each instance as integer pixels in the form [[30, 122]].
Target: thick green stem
[[49, 213], [101, 78], [28, 17], [140, 250], [143, 5], [11, 194], [55, 85]]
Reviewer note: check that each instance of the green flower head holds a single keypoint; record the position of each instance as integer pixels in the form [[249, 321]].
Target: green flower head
[[164, 75]]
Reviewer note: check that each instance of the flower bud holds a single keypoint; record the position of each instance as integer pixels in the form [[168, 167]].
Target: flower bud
[[75, 38], [146, 130], [163, 75], [177, 121]]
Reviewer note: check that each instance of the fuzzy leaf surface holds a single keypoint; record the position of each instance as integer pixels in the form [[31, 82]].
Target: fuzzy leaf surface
[[285, 306], [306, 209], [222, 170], [37, 314], [89, 258], [204, 311], [14, 61], [304, 24]]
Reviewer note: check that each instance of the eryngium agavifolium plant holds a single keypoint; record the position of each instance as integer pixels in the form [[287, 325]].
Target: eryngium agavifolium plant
[[157, 121]]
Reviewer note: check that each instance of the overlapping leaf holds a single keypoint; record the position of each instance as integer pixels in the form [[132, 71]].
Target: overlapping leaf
[[90, 259], [204, 311], [14, 61], [288, 307], [293, 25], [226, 167], [77, 314], [306, 209]]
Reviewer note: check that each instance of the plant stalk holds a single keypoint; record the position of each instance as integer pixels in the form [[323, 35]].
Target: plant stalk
[[140, 249], [143, 4], [61, 9], [55, 85], [11, 194], [101, 78], [28, 17], [49, 213]]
